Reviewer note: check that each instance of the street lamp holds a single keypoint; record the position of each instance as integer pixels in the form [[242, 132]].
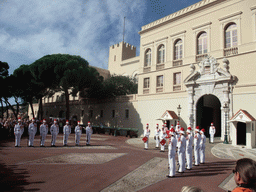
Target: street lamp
[[179, 109], [225, 108]]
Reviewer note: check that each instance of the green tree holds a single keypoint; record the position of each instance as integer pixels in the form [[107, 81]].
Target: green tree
[[63, 72], [4, 67]]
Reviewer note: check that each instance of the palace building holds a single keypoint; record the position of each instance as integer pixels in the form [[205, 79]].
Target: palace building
[[200, 60]]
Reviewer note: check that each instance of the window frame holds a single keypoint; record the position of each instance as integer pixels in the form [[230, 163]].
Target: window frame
[[204, 39], [161, 54], [180, 49], [148, 61], [161, 83], [230, 31], [146, 83]]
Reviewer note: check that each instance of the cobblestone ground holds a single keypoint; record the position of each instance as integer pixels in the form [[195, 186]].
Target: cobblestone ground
[[109, 164]]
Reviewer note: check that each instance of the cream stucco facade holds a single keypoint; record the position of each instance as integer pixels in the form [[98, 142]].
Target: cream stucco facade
[[202, 58]]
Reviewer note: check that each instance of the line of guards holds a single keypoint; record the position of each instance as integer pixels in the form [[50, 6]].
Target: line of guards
[[54, 130], [177, 141]]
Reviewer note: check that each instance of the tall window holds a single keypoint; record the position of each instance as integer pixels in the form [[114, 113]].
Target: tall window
[[160, 54], [146, 83], [113, 113], [90, 113], [178, 49], [147, 58], [202, 43], [160, 81], [126, 113], [177, 78], [231, 36]]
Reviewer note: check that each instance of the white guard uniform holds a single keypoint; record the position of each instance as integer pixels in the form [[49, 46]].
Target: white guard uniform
[[157, 135], [202, 148], [197, 139], [43, 133], [171, 155], [32, 129], [89, 132], [177, 130], [146, 134], [78, 133], [18, 131], [181, 153], [66, 132], [212, 132], [189, 143], [54, 131], [163, 135]]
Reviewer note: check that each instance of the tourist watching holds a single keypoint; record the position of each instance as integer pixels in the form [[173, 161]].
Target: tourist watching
[[245, 175]]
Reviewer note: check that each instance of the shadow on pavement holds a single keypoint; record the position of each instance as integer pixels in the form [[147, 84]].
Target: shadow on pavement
[[13, 178], [209, 169]]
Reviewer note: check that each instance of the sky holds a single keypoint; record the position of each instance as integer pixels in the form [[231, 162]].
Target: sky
[[31, 29]]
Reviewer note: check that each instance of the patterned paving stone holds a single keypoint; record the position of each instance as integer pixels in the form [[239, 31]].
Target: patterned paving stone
[[77, 158]]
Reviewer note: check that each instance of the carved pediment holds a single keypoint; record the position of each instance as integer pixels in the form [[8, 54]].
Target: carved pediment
[[208, 72]]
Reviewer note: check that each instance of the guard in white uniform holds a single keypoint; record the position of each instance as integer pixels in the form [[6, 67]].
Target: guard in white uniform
[[66, 132], [181, 150], [189, 143], [146, 134], [177, 130], [54, 131], [43, 132], [89, 132], [212, 132], [32, 129], [157, 135], [163, 136], [172, 153], [197, 139], [78, 133], [18, 131], [202, 146]]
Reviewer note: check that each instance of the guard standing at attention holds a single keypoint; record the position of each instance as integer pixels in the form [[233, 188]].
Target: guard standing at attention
[[197, 139], [32, 129], [78, 133], [202, 146], [212, 132], [54, 131], [157, 135], [43, 132], [181, 150], [172, 153], [189, 143], [66, 132], [146, 134], [89, 133], [18, 131]]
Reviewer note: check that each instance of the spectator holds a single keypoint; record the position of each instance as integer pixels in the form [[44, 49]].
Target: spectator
[[245, 175], [191, 189]]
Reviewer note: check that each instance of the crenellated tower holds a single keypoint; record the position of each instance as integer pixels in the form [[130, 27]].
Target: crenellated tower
[[117, 54]]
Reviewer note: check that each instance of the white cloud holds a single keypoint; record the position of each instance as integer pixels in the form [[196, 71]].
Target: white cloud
[[81, 27]]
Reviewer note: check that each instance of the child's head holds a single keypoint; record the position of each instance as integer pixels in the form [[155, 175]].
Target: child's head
[[245, 172]]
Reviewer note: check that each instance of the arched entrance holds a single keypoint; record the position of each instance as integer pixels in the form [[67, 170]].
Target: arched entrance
[[241, 133], [208, 109]]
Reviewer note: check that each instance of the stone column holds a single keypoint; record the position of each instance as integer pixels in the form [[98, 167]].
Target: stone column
[[191, 106]]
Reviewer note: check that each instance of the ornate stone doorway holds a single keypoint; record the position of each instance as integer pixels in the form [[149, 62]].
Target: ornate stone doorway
[[209, 88], [208, 110]]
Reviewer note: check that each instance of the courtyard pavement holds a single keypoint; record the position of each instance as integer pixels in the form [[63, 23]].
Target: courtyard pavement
[[110, 164]]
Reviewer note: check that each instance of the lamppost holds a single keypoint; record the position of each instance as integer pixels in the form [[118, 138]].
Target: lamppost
[[179, 109], [225, 108]]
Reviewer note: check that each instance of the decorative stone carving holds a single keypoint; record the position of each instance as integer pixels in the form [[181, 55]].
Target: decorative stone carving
[[208, 65], [226, 64]]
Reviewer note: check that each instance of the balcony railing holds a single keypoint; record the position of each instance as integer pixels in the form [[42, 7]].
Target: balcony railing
[[200, 57], [176, 87], [159, 66], [146, 69], [230, 51], [145, 91], [159, 89], [177, 63]]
